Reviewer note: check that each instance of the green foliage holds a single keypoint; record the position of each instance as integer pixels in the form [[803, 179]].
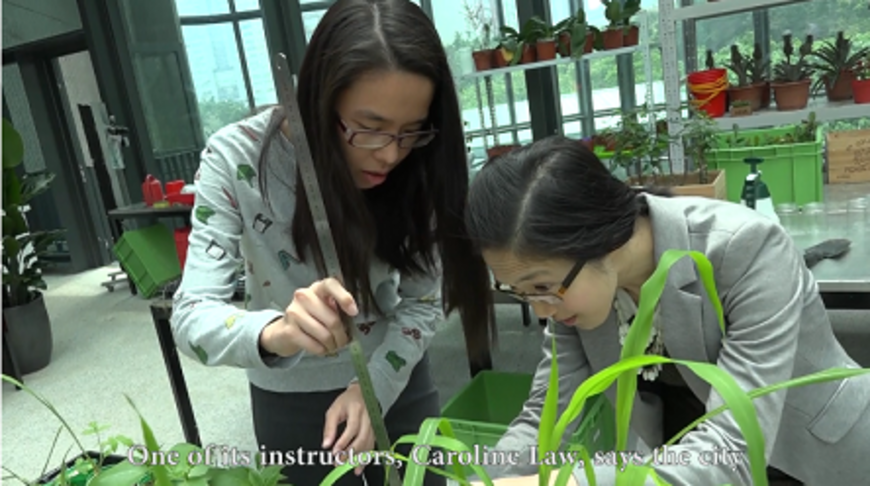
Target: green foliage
[[834, 57], [624, 373], [794, 67], [22, 248], [141, 469], [216, 114], [699, 137]]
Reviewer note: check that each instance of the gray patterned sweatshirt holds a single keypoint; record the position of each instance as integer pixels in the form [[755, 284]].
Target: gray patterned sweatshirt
[[230, 224]]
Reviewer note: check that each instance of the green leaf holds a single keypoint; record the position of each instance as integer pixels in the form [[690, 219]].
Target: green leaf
[[161, 475], [33, 184], [446, 443], [13, 146], [125, 473], [546, 440]]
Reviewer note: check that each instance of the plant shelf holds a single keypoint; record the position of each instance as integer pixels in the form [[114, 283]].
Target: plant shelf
[[825, 111], [550, 62], [725, 7]]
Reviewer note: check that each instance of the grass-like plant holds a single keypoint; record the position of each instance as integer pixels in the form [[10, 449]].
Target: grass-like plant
[[145, 465], [624, 373]]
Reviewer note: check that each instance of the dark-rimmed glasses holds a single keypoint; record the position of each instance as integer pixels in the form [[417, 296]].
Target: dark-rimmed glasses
[[373, 139], [545, 297]]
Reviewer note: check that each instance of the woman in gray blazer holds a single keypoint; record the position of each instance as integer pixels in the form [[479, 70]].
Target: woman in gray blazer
[[559, 231]]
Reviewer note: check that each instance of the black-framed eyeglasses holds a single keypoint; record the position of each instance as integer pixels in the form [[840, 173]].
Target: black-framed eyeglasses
[[545, 297], [373, 139]]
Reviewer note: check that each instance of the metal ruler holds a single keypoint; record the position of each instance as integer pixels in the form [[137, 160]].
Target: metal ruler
[[287, 95]]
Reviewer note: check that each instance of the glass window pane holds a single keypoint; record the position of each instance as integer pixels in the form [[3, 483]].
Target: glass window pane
[[310, 20], [201, 7], [247, 5], [217, 74], [257, 57]]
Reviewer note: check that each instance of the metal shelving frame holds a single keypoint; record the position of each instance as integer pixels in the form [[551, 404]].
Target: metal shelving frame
[[644, 46]]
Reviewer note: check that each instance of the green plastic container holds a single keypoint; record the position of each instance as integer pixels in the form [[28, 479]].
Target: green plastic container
[[482, 411], [793, 172], [149, 257]]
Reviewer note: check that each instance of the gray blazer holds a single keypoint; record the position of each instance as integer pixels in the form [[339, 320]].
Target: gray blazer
[[777, 328]]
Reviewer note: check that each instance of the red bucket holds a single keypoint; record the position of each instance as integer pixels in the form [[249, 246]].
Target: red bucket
[[710, 91], [181, 237]]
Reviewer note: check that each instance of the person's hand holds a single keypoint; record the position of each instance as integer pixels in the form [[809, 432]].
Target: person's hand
[[312, 321], [525, 481], [349, 408]]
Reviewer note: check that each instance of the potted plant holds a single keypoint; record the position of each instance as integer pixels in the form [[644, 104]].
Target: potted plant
[[758, 70], [745, 89], [26, 322], [576, 37], [836, 62], [861, 83], [181, 464], [741, 108], [544, 36], [484, 55], [699, 137], [631, 31], [518, 47], [614, 36], [793, 75], [553, 456]]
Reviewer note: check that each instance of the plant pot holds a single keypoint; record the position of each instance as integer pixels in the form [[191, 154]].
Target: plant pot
[[741, 110], [752, 93], [842, 88], [28, 333], [765, 94], [688, 185], [590, 43], [861, 91], [613, 38], [546, 49], [632, 37], [589, 143], [484, 59], [565, 44], [109, 460], [791, 96], [498, 150], [499, 58], [529, 54]]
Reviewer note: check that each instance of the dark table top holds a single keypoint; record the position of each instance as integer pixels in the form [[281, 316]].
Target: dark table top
[[141, 210]]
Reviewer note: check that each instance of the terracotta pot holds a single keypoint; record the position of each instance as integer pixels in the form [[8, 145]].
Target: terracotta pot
[[565, 44], [590, 43], [588, 142], [751, 93], [613, 38], [546, 49], [632, 37], [498, 150], [842, 88], [529, 54], [483, 59], [791, 96], [861, 90], [765, 94], [498, 57]]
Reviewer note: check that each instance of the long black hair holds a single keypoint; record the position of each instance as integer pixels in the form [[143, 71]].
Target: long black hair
[[553, 198], [419, 209]]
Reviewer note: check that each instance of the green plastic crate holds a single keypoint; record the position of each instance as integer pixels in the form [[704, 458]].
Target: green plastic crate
[[149, 257], [792, 172], [482, 411]]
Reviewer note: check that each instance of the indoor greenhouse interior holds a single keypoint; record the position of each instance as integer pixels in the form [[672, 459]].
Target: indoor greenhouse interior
[[732, 208]]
